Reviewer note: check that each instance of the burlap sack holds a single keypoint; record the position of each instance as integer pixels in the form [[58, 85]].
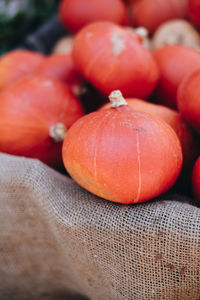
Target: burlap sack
[[57, 239]]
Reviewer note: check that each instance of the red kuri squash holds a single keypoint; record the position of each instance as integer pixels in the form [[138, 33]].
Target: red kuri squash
[[35, 114], [61, 67], [75, 14], [174, 62], [122, 155], [151, 14], [16, 64], [189, 99], [110, 57]]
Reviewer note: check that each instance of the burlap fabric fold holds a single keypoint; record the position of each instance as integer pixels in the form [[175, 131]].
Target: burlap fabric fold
[[57, 239]]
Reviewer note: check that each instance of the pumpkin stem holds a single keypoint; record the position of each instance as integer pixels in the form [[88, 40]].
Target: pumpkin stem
[[142, 32], [58, 132], [117, 99]]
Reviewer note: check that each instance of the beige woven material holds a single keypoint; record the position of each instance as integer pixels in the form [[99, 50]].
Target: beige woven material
[[55, 238]]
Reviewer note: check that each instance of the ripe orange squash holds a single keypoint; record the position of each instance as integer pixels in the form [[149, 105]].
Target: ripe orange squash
[[61, 67], [174, 63], [111, 57], [151, 14], [75, 14], [122, 155], [35, 114], [16, 64], [189, 99]]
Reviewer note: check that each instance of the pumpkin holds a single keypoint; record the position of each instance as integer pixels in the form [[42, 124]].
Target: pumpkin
[[111, 57], [176, 32], [196, 180], [75, 14], [189, 99], [151, 14], [64, 45], [187, 137], [61, 67], [122, 155], [35, 114], [16, 64], [194, 12], [174, 63]]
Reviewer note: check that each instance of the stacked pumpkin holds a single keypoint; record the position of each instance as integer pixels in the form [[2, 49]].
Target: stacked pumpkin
[[130, 150]]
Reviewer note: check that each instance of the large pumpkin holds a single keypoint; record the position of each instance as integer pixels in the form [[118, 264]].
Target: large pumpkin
[[122, 155]]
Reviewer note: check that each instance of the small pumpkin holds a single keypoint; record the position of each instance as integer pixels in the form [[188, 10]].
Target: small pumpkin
[[151, 14], [176, 32], [110, 57], [16, 64], [61, 67], [122, 155], [75, 14], [35, 114], [174, 63], [189, 99]]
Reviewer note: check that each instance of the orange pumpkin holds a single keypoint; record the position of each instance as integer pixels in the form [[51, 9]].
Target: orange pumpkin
[[174, 63], [75, 14], [122, 155], [16, 64], [110, 57], [189, 99], [151, 14], [35, 114], [61, 67]]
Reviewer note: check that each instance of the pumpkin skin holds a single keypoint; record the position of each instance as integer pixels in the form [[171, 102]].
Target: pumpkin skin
[[29, 112], [75, 14], [111, 57], [61, 67], [174, 63], [196, 180], [121, 155], [16, 64], [194, 12], [187, 138], [151, 14], [189, 99]]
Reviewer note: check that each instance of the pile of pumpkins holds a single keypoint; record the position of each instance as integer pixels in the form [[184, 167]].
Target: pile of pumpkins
[[117, 102]]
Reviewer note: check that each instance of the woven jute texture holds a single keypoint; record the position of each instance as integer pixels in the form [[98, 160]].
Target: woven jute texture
[[57, 239]]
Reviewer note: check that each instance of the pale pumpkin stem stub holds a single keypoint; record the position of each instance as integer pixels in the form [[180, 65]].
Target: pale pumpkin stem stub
[[116, 98], [58, 132], [142, 32]]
